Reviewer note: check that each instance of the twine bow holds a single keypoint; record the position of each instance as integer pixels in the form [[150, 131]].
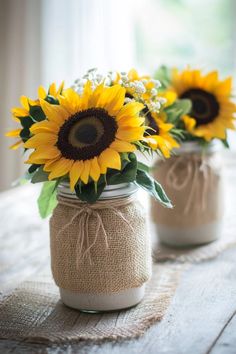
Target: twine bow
[[84, 212], [195, 165]]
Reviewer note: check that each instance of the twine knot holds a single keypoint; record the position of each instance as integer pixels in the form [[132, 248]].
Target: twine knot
[[195, 165], [84, 212]]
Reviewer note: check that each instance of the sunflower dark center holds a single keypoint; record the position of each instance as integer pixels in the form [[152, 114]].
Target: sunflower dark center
[[128, 95], [150, 121], [86, 134], [205, 107]]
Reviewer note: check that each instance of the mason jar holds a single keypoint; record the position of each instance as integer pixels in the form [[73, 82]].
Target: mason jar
[[192, 179], [100, 253]]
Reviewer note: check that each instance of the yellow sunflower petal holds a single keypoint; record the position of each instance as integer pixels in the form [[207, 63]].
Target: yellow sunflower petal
[[47, 152], [131, 121], [60, 168], [52, 90], [165, 151], [75, 173], [122, 146], [151, 141], [35, 159], [13, 133], [44, 127], [210, 81], [20, 112], [92, 102], [41, 139], [130, 134], [224, 87], [116, 97], [16, 145], [71, 101], [55, 113], [173, 143], [87, 92], [129, 110], [165, 127], [133, 75], [60, 88], [109, 158], [189, 123], [86, 171], [42, 92], [49, 163], [95, 170], [24, 102]]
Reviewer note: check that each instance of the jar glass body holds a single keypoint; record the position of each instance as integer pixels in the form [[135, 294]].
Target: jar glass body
[[193, 181], [107, 267]]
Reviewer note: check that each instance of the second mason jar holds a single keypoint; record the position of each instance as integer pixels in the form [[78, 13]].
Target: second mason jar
[[192, 179], [100, 253]]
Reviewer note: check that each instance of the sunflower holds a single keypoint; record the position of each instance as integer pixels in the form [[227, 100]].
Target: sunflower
[[145, 89], [212, 108], [31, 112], [158, 136], [84, 135]]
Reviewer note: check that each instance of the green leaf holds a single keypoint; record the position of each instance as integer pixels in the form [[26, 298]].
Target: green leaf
[[88, 193], [164, 76], [225, 143], [26, 122], [148, 183], [47, 200], [126, 175], [33, 168], [184, 106], [143, 167], [25, 134], [52, 100], [40, 176], [178, 109], [37, 113]]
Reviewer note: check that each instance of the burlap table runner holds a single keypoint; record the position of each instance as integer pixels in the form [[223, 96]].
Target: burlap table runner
[[34, 313]]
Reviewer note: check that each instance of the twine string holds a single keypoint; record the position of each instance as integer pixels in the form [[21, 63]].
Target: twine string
[[83, 213], [193, 170]]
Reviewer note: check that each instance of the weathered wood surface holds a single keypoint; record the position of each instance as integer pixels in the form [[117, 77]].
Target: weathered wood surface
[[200, 320]]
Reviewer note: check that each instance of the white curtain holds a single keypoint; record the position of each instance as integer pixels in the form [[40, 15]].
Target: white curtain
[[19, 72], [42, 41]]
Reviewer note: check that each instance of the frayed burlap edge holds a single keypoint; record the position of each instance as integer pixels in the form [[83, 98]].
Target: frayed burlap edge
[[33, 313]]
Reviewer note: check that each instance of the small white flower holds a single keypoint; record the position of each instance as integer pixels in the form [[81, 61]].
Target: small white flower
[[127, 100], [153, 92], [154, 106], [156, 83], [162, 100]]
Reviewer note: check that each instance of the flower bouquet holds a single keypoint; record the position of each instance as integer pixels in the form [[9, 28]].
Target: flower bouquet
[[192, 177], [81, 142]]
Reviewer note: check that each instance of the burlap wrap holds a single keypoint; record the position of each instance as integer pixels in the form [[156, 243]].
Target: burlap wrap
[[193, 183], [115, 255]]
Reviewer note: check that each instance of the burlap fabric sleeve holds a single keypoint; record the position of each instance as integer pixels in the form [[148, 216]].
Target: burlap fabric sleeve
[[113, 255], [193, 183]]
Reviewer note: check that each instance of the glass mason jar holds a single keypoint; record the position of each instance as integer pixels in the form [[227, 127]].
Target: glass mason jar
[[100, 253], [192, 180]]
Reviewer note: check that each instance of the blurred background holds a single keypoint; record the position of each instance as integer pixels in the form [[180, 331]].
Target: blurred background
[[42, 41]]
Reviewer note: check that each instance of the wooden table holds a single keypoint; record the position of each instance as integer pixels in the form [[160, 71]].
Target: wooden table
[[201, 318]]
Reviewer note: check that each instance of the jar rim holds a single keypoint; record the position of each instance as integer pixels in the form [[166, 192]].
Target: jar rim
[[110, 191]]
